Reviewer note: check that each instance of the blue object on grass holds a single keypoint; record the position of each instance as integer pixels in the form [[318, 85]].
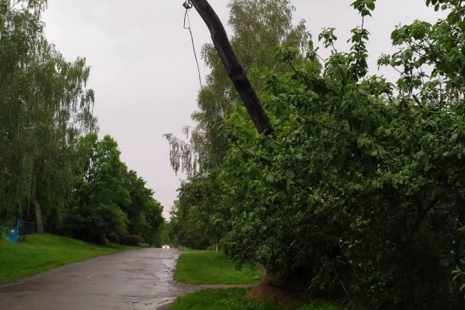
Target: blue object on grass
[[13, 235]]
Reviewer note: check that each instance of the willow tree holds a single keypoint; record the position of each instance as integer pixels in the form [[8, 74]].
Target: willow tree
[[46, 106], [258, 28]]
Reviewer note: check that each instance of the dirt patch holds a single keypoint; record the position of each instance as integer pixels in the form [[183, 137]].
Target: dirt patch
[[277, 295]]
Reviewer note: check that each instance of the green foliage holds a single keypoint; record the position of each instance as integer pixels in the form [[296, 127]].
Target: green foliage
[[94, 213], [360, 196], [257, 26], [458, 274], [196, 218], [109, 202], [164, 236], [45, 106], [54, 171], [208, 267], [43, 252], [144, 212]]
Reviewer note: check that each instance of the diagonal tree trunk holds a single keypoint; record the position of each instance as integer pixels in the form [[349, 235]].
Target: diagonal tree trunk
[[233, 67], [236, 73]]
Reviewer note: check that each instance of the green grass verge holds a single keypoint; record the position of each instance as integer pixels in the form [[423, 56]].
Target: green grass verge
[[43, 252], [232, 299], [184, 249], [208, 267]]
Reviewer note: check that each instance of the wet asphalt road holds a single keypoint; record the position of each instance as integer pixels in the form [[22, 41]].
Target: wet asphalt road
[[133, 280]]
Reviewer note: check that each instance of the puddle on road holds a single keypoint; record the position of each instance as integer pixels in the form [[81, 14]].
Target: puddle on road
[[164, 275], [153, 304], [164, 282]]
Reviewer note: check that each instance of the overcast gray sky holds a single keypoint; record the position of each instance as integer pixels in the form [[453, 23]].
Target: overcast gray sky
[[144, 74]]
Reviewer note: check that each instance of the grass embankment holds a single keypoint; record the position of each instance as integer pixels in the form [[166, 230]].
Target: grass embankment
[[43, 252], [207, 267]]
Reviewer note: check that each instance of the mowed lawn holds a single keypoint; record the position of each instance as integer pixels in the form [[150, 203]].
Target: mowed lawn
[[229, 299], [209, 267], [235, 299], [43, 252]]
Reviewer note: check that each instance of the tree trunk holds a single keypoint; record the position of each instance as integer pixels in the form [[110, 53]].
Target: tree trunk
[[345, 274], [38, 213], [233, 67]]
